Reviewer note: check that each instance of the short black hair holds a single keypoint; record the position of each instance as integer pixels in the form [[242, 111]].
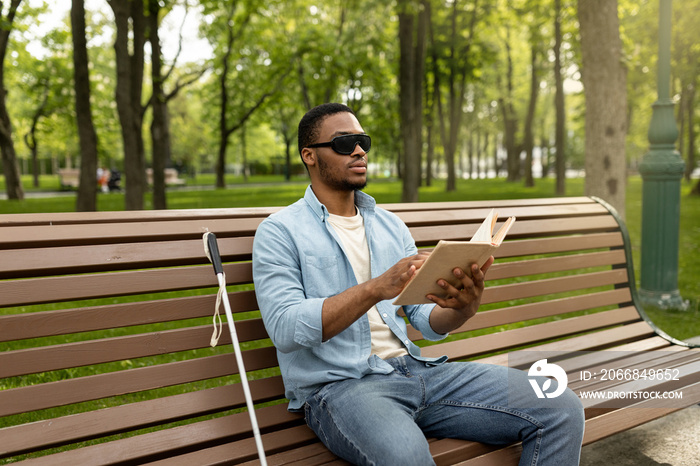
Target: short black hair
[[310, 124]]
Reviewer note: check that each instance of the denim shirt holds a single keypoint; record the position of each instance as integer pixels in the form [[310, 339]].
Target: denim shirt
[[298, 261]]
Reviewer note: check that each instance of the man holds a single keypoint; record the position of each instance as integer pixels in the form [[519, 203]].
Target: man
[[326, 269]]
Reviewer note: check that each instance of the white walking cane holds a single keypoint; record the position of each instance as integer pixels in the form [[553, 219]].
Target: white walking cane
[[211, 249]]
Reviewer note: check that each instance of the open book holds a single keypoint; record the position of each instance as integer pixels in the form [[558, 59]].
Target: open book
[[448, 255]]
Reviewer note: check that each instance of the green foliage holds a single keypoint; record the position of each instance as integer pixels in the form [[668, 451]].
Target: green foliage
[[308, 52]]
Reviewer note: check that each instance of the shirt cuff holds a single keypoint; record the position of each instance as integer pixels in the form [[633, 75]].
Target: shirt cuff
[[308, 329], [422, 323]]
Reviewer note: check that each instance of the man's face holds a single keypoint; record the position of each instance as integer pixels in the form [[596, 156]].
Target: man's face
[[341, 172]]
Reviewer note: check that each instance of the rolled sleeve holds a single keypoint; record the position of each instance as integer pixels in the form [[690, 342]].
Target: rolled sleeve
[[419, 316], [292, 321]]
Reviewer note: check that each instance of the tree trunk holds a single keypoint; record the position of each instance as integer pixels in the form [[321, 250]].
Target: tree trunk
[[244, 154], [545, 156], [605, 81], [30, 137], [13, 181], [430, 153], [223, 110], [560, 126], [496, 165], [456, 83], [528, 136], [696, 190], [411, 66], [690, 162], [510, 120], [160, 127], [128, 96], [86, 200], [129, 74]]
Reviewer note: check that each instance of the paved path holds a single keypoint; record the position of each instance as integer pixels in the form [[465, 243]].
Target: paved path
[[672, 440]]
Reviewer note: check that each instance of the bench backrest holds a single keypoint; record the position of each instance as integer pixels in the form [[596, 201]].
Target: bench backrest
[[106, 318]]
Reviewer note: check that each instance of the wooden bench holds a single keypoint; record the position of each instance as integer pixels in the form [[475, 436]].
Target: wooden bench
[[69, 177], [172, 178], [105, 322]]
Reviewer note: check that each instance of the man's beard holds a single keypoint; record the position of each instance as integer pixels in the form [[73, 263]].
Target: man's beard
[[341, 184]]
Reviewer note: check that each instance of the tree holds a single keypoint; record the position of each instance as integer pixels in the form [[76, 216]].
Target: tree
[[535, 17], [30, 138], [604, 79], [128, 46], [413, 22], [458, 64], [560, 124], [9, 156], [240, 70], [87, 190], [685, 68], [160, 125], [510, 117]]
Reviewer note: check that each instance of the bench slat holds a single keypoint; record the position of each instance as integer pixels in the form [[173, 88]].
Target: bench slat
[[555, 264], [17, 263], [62, 322], [118, 233], [86, 353], [525, 228], [564, 244], [150, 447], [95, 387], [648, 343], [551, 286], [119, 217], [522, 336], [550, 308], [127, 417], [488, 204], [525, 312], [178, 228], [105, 285], [476, 216]]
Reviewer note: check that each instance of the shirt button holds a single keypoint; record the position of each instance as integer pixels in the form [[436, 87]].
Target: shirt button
[[385, 315], [406, 341]]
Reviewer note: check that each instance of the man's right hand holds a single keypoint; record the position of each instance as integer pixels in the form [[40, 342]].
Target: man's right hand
[[389, 284], [341, 310]]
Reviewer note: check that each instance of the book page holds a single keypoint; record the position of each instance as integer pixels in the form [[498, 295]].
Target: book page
[[486, 229], [503, 231]]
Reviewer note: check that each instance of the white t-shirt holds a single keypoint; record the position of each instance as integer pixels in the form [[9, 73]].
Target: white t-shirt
[[351, 231]]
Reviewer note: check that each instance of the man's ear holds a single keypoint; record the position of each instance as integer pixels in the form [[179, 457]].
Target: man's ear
[[308, 155]]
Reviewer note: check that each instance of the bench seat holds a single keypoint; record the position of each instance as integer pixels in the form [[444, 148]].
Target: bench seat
[[105, 321]]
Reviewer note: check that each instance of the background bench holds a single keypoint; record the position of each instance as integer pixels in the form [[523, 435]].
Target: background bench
[[70, 177], [172, 178], [104, 337]]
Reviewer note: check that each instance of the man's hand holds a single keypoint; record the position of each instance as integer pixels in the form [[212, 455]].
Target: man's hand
[[341, 310], [390, 283], [461, 302]]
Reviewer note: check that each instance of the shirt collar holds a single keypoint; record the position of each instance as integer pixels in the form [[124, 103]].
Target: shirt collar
[[364, 203]]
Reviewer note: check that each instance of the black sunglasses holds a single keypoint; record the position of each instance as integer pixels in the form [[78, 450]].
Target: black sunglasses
[[346, 143]]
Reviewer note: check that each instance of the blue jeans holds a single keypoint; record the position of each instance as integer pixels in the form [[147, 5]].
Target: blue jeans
[[384, 419]]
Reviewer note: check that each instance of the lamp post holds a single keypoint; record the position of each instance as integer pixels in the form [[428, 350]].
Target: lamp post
[[661, 169]]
